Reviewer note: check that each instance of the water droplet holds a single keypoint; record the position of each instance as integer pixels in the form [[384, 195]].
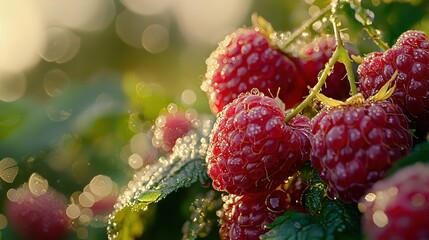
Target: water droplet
[[37, 184], [313, 10], [73, 211], [160, 121], [317, 26], [370, 197], [418, 200], [135, 123], [189, 97], [12, 195], [135, 161], [255, 91], [101, 185], [172, 108], [380, 219], [86, 199], [369, 16], [362, 207]]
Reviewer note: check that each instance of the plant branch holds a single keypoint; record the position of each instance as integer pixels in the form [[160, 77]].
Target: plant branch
[[317, 87], [305, 26]]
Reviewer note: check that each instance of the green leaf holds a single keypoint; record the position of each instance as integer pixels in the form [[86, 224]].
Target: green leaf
[[341, 220], [203, 216], [419, 154], [314, 194], [296, 226], [182, 168], [146, 198]]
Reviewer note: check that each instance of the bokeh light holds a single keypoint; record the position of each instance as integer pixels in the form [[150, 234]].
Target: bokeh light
[[155, 38], [84, 15], [61, 45], [12, 86], [3, 221], [55, 82], [147, 7], [21, 35], [209, 21]]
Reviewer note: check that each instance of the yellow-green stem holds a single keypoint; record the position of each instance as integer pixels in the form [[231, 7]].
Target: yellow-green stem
[[345, 59], [305, 26], [376, 37], [316, 88]]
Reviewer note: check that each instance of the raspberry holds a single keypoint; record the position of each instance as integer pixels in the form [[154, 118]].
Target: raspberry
[[410, 56], [169, 127], [313, 58], [398, 207], [38, 216], [354, 145], [245, 60], [245, 217], [252, 149]]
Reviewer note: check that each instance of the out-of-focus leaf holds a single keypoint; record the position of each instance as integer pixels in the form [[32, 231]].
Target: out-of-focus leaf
[[203, 216], [314, 194], [335, 221], [75, 111], [295, 226], [182, 168], [342, 221]]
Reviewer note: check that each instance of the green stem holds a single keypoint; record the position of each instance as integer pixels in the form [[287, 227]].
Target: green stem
[[345, 59], [297, 33], [362, 17], [376, 37], [317, 87]]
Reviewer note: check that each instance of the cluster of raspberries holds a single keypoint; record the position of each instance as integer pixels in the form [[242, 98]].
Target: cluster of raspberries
[[253, 151]]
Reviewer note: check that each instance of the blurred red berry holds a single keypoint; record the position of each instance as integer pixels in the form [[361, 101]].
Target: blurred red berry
[[169, 127], [39, 217], [398, 207]]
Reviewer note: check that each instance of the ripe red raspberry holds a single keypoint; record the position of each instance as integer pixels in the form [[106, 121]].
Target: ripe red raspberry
[[354, 145], [38, 216], [245, 60], [398, 207], [169, 127], [314, 56], [252, 149], [410, 56], [245, 217]]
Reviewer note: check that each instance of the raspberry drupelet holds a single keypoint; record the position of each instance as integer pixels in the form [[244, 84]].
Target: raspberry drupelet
[[353, 146], [252, 149], [245, 60], [410, 57]]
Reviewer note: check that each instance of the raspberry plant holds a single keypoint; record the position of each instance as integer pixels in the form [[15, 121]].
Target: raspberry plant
[[298, 165]]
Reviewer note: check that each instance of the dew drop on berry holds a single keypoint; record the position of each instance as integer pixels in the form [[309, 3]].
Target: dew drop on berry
[[380, 219], [278, 201]]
